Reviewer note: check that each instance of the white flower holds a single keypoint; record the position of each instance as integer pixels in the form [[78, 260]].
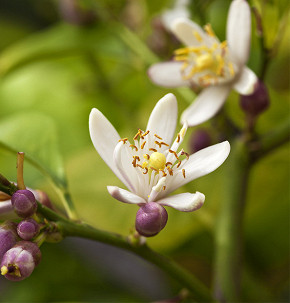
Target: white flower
[[179, 10], [208, 63], [151, 167]]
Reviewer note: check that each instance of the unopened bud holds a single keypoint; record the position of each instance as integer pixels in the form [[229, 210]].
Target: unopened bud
[[200, 139], [43, 198], [257, 102], [8, 237], [27, 229], [151, 218], [19, 262], [24, 203]]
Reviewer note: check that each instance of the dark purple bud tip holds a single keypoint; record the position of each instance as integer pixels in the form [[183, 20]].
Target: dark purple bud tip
[[200, 139], [8, 237], [27, 229], [19, 262], [151, 218], [257, 102], [24, 203]]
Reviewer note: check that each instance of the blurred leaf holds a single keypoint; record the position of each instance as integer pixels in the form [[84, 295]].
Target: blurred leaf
[[34, 134]]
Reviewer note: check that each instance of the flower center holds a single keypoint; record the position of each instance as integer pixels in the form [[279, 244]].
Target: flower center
[[157, 161], [208, 62]]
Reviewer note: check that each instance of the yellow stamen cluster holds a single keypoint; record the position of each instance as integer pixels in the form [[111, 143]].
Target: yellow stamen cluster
[[209, 59]]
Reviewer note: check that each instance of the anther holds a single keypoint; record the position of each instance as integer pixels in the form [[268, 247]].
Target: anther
[[145, 134], [164, 187], [170, 171], [183, 172], [158, 137], [178, 138], [123, 140], [178, 164], [163, 143], [158, 143], [185, 153], [163, 172], [146, 170], [153, 149], [153, 168], [143, 144], [133, 146], [168, 163], [146, 156]]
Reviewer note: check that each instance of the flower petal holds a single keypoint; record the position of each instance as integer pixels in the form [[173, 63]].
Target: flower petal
[[239, 31], [184, 202], [245, 84], [167, 74], [170, 15], [105, 138], [206, 105], [163, 118], [199, 164], [123, 163], [124, 195], [188, 32]]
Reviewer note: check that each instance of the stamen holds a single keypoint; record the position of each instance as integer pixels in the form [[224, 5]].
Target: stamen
[[158, 137], [170, 170], [178, 164], [153, 149], [168, 163], [163, 143], [164, 187], [231, 68], [209, 30], [178, 138], [185, 153], [123, 140], [158, 143], [173, 152], [145, 134], [146, 156], [143, 144], [133, 146], [197, 36], [146, 170], [163, 172], [153, 168], [183, 172]]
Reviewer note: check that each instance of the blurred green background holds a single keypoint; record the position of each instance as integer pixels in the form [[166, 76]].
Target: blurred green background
[[58, 60]]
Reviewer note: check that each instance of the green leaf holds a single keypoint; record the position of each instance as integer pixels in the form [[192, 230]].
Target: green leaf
[[35, 135]]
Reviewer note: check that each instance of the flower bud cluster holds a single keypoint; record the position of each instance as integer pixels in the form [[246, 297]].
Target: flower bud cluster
[[18, 253]]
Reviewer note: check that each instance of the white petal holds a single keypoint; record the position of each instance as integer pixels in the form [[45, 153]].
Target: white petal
[[184, 29], [239, 31], [170, 15], [184, 202], [123, 164], [199, 164], [245, 84], [206, 105], [163, 118], [167, 74], [124, 195], [105, 138]]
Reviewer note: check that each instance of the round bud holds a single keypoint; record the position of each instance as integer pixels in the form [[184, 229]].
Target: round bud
[[19, 262], [8, 237], [24, 203], [257, 102], [27, 229], [151, 218], [200, 139]]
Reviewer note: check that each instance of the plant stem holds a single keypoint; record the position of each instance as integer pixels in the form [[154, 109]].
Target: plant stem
[[186, 279], [228, 235]]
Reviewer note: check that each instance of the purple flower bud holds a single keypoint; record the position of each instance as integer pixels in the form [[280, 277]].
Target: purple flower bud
[[8, 237], [24, 203], [200, 139], [257, 102], [151, 218], [27, 229], [19, 262]]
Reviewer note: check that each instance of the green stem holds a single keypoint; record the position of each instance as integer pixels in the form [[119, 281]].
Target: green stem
[[269, 142], [77, 229], [228, 234]]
